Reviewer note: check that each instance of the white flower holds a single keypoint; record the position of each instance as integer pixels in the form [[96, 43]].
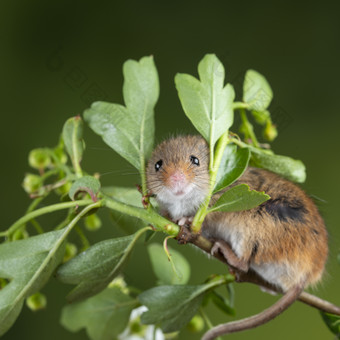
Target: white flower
[[137, 331]]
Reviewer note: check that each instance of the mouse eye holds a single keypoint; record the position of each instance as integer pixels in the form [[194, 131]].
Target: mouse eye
[[194, 160], [158, 165]]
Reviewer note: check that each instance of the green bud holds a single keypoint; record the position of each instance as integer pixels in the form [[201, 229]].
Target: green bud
[[261, 117], [3, 283], [92, 222], [196, 324], [31, 183], [20, 234], [39, 159], [270, 132], [136, 327], [36, 302], [64, 189], [70, 251], [120, 283]]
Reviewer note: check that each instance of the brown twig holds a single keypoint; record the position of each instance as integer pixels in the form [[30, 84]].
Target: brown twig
[[252, 277]]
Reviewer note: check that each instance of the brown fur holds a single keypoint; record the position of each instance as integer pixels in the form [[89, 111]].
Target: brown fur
[[287, 230], [301, 244], [175, 153]]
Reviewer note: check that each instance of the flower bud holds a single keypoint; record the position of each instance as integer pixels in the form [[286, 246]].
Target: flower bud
[[70, 251], [39, 159], [270, 132], [36, 302], [196, 324], [3, 283], [92, 222], [64, 189], [31, 183]]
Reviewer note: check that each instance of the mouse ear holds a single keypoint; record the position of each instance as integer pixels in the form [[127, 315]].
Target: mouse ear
[[197, 98]]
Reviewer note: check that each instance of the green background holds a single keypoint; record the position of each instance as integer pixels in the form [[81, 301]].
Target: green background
[[59, 56]]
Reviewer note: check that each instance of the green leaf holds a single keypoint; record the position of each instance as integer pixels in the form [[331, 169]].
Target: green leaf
[[73, 139], [233, 164], [222, 303], [129, 196], [292, 169], [173, 306], [27, 264], [206, 102], [257, 93], [93, 269], [129, 130], [239, 198], [333, 323], [89, 184], [104, 316], [163, 269]]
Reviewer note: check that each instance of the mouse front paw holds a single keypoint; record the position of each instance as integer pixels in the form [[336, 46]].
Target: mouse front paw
[[185, 221]]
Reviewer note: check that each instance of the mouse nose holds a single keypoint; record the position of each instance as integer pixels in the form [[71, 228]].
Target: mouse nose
[[177, 177]]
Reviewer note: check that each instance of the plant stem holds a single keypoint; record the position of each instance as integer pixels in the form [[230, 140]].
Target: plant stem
[[149, 216], [249, 128], [206, 318], [37, 226], [240, 105], [42, 211], [85, 242], [59, 165], [143, 181], [202, 212], [34, 204], [66, 221]]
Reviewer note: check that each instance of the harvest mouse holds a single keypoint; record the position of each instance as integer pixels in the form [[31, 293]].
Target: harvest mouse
[[283, 240]]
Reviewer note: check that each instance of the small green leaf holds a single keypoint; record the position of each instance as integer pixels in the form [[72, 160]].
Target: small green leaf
[[257, 93], [104, 316], [233, 164], [73, 139], [89, 184], [129, 130], [239, 198], [222, 303], [93, 269], [333, 323], [173, 306], [292, 169], [27, 264], [207, 102], [163, 269]]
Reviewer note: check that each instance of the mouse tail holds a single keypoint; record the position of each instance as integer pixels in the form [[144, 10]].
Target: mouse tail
[[258, 319]]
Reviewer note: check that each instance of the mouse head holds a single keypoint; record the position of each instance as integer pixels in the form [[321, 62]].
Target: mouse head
[[179, 169]]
